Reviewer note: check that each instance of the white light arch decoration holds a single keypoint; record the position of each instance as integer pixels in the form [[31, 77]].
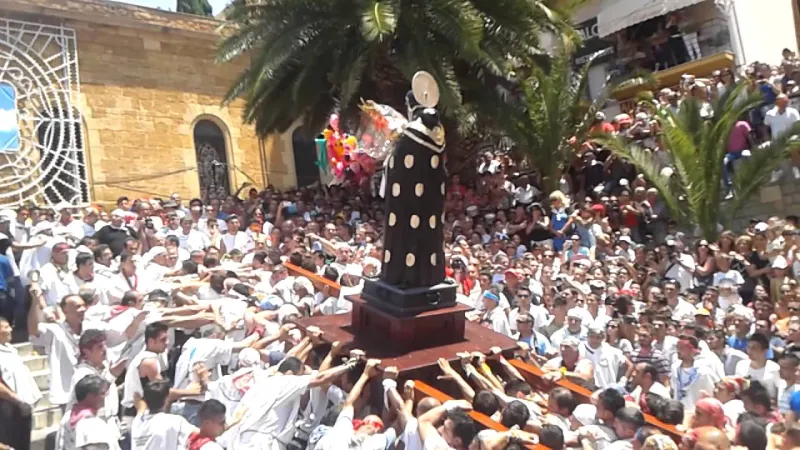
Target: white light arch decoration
[[48, 166]]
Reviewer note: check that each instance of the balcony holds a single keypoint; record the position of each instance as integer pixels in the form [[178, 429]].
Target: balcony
[[700, 68]]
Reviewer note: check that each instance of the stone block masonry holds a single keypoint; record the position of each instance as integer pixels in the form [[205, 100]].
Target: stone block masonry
[[779, 200], [146, 77]]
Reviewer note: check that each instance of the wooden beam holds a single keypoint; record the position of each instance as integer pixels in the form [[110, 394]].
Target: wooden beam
[[533, 375], [422, 389], [316, 280]]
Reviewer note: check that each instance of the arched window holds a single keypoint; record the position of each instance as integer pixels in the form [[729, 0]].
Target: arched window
[[62, 160], [212, 160]]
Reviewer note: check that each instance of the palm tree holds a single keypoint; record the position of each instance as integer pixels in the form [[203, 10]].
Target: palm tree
[[553, 114], [310, 57], [692, 187]]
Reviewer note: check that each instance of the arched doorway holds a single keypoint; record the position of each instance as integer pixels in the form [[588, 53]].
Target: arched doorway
[[305, 158], [212, 160]]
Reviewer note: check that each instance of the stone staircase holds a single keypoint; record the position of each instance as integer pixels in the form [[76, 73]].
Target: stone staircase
[[46, 417]]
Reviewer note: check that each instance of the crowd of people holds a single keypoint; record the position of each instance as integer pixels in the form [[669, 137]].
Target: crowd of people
[[171, 326]]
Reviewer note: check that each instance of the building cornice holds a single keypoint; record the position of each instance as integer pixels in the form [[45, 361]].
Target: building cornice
[[107, 12]]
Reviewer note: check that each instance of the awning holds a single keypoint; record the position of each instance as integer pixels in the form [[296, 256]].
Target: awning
[[625, 13]]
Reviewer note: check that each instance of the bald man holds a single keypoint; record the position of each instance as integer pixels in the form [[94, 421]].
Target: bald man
[[708, 438]]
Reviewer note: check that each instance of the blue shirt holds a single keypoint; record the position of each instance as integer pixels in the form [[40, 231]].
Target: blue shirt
[[5, 273], [738, 344]]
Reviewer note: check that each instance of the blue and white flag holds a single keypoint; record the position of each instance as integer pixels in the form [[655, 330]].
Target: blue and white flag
[[9, 122]]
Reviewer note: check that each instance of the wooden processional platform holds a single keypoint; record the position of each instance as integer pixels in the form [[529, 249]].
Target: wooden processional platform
[[413, 344]]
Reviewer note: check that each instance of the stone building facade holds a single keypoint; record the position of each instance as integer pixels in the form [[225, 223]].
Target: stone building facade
[[137, 109]]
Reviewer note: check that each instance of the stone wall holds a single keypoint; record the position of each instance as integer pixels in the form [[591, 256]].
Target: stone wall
[[146, 78], [779, 200], [142, 92]]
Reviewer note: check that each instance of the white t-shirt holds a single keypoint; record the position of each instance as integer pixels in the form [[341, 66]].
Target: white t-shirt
[[272, 410], [410, 435], [240, 241], [61, 346], [682, 274], [498, 320], [606, 361], [88, 431], [211, 352], [111, 405], [56, 284], [160, 431], [768, 375], [230, 389], [733, 275], [780, 123], [195, 240], [688, 383], [17, 376], [133, 382]]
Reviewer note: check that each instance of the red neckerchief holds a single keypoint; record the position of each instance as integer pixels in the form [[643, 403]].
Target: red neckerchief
[[196, 441], [117, 310], [78, 413]]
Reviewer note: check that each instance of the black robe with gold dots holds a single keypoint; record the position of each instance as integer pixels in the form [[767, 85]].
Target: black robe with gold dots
[[413, 255]]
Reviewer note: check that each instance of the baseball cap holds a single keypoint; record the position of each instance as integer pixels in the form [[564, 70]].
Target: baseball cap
[[571, 341], [600, 115], [702, 312], [761, 227]]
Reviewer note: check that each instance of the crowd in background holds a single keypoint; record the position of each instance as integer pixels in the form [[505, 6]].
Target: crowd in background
[[170, 324]]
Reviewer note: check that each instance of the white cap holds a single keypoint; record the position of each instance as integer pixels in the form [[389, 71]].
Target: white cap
[[780, 262], [249, 357], [600, 115], [761, 227], [7, 215], [624, 182], [61, 206], [625, 238], [118, 212], [156, 251], [641, 116]]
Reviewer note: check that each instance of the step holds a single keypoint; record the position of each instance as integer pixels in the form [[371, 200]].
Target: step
[[38, 437], [35, 363], [44, 402], [25, 349], [42, 378], [46, 418]]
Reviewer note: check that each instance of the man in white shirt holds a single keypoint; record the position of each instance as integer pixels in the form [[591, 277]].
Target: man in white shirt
[[56, 278], [758, 367], [18, 389], [780, 119], [689, 378], [235, 239], [154, 429], [494, 316], [681, 266], [60, 341], [269, 409], [681, 309], [608, 361], [67, 226], [83, 428], [574, 328], [210, 351], [191, 239]]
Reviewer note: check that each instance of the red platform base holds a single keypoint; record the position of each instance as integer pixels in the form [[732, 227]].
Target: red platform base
[[412, 344]]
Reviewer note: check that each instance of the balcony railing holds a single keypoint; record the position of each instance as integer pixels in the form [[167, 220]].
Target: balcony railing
[[670, 78]]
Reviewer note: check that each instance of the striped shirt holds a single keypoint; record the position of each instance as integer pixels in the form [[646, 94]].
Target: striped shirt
[[654, 357]]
